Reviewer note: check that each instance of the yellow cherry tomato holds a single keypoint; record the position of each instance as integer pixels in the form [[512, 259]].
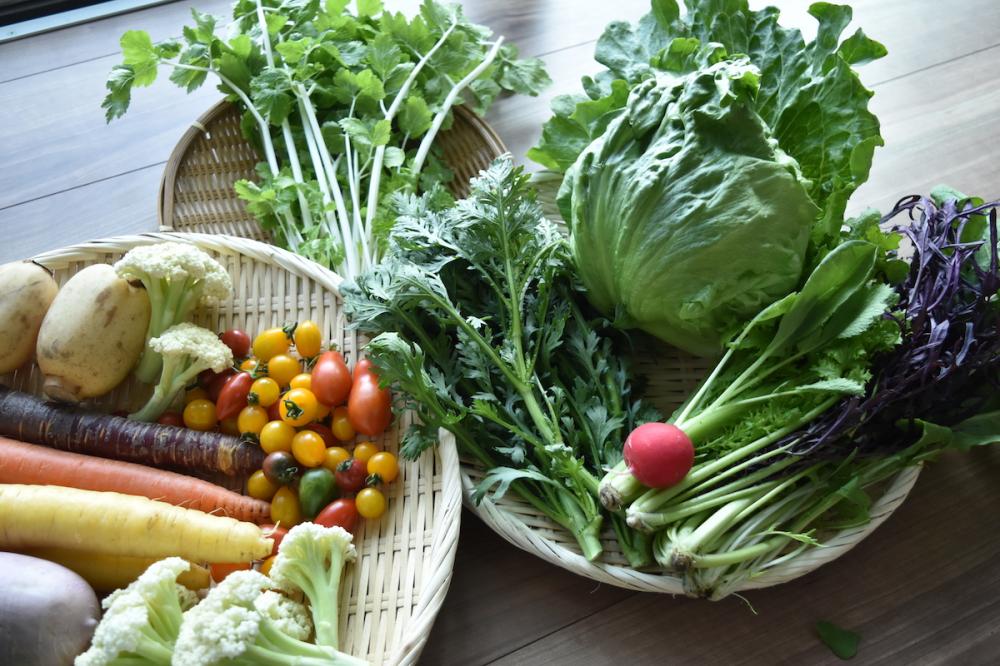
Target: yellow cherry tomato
[[308, 339], [301, 380], [341, 425], [265, 566], [270, 343], [283, 368], [230, 426], [309, 449], [370, 503], [264, 392], [248, 365], [334, 456], [322, 411], [197, 393], [285, 510], [365, 450], [298, 407], [200, 415], [384, 465], [260, 487], [276, 436], [252, 419]]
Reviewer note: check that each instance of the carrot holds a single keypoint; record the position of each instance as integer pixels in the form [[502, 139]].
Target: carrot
[[107, 573], [116, 524], [31, 464], [29, 419]]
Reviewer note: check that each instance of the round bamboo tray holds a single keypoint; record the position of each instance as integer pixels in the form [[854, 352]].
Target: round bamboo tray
[[392, 593], [197, 195]]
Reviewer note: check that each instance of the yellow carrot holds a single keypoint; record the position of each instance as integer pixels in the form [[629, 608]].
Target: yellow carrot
[[116, 524], [107, 573]]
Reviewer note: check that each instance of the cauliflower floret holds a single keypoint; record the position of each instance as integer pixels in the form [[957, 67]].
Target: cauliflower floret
[[289, 616]]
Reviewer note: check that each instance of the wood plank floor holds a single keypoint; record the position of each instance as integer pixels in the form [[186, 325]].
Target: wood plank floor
[[924, 589]]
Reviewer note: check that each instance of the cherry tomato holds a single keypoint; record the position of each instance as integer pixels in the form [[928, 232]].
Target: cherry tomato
[[341, 425], [351, 475], [369, 407], [252, 419], [276, 436], [283, 368], [276, 534], [301, 380], [308, 339], [200, 415], [264, 392], [281, 468], [197, 393], [265, 566], [220, 570], [238, 341], [370, 502], [270, 343], [171, 419], [285, 510], [317, 488], [274, 411], [230, 426], [365, 450], [298, 407], [234, 395], [217, 382], [308, 448], [249, 365], [322, 411], [384, 465], [331, 380], [338, 513], [260, 487], [334, 456]]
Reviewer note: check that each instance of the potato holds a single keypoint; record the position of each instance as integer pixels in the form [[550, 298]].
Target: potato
[[47, 613], [92, 335], [26, 291]]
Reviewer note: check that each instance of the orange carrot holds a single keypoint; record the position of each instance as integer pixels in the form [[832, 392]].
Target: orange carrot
[[31, 464]]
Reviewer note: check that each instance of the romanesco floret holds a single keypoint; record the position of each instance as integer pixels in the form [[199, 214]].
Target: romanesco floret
[[228, 627], [186, 350], [141, 621], [177, 277], [311, 558]]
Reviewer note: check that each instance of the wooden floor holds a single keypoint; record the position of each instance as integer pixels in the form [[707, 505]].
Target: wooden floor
[[924, 589]]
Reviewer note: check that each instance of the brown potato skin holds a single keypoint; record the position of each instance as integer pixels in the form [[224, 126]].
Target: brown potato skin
[[26, 292], [92, 335]]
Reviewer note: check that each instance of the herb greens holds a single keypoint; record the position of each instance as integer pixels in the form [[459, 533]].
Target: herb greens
[[344, 107]]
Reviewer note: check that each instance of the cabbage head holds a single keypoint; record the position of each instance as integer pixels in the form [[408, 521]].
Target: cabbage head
[[686, 218]]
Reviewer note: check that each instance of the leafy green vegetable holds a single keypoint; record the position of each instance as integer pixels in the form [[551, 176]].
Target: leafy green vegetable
[[490, 343], [343, 107], [841, 642], [665, 205]]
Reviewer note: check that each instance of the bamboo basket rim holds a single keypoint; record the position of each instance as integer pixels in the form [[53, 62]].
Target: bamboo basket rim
[[438, 561]]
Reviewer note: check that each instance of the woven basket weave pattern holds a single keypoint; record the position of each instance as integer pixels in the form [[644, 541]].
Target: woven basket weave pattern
[[196, 175], [390, 596]]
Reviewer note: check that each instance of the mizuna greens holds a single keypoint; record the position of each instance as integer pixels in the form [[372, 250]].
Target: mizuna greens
[[705, 165], [489, 341], [344, 107]]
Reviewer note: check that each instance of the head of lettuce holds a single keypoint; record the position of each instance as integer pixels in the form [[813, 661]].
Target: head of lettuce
[[686, 217]]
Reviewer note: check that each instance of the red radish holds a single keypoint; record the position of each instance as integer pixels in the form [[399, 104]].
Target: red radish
[[659, 455]]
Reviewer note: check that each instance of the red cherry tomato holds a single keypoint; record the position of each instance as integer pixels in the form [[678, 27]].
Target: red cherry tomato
[[368, 407], [324, 432], [341, 513], [238, 341], [220, 570], [171, 419], [351, 475], [233, 396], [276, 534], [331, 380], [274, 411], [217, 382]]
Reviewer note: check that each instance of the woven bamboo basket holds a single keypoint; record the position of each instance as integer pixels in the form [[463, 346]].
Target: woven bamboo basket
[[392, 593], [197, 195]]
